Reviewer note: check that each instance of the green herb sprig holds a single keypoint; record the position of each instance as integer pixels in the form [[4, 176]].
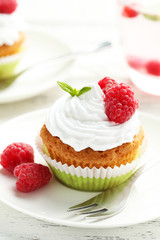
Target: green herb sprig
[[71, 91], [151, 17]]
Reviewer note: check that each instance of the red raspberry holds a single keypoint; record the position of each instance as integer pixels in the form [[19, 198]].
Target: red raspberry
[[15, 154], [8, 6], [120, 104], [31, 176], [129, 12], [153, 67], [106, 83]]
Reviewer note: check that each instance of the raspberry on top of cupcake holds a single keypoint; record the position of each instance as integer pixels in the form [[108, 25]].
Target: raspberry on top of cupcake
[[94, 135], [120, 103]]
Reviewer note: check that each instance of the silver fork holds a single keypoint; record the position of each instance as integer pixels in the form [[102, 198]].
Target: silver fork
[[112, 201]]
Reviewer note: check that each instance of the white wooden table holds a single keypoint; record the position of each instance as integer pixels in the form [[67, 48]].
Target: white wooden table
[[15, 225]]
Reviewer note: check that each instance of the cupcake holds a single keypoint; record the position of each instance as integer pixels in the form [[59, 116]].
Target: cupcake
[[11, 37], [92, 138]]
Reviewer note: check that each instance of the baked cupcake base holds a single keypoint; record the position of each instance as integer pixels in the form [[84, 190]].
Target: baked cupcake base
[[86, 179], [6, 50], [87, 157]]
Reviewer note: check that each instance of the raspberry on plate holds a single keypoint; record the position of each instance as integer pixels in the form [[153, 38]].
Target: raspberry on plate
[[129, 12], [31, 176], [15, 154], [8, 6], [153, 67], [120, 103], [106, 83]]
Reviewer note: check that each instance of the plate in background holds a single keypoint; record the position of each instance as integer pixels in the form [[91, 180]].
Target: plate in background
[[39, 46]]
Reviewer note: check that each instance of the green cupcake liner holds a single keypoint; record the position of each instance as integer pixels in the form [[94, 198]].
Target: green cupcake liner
[[89, 184], [9, 63], [7, 69], [87, 179]]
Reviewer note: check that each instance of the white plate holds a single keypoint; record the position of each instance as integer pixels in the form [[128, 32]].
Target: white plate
[[50, 203], [39, 46]]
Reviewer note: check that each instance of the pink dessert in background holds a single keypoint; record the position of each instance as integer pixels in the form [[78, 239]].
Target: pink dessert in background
[[139, 23]]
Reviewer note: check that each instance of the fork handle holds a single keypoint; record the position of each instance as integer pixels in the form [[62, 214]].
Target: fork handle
[[72, 55]]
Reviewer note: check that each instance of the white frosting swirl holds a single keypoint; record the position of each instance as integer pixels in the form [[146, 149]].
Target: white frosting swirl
[[10, 26], [81, 122]]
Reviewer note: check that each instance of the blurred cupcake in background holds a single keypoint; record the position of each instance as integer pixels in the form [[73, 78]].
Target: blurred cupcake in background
[[12, 37]]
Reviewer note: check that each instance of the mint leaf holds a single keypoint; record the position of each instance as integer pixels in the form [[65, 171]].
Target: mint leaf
[[83, 90], [75, 92], [66, 88], [152, 17], [71, 91]]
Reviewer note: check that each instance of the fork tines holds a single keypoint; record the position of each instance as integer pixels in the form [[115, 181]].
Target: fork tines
[[87, 210], [74, 208], [99, 211]]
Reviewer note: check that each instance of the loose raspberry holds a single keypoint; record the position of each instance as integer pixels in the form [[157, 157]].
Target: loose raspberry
[[106, 83], [31, 176], [120, 103], [129, 12], [15, 154], [8, 6], [153, 67]]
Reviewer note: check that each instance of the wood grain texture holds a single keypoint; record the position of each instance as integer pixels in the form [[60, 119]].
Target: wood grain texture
[[17, 226]]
